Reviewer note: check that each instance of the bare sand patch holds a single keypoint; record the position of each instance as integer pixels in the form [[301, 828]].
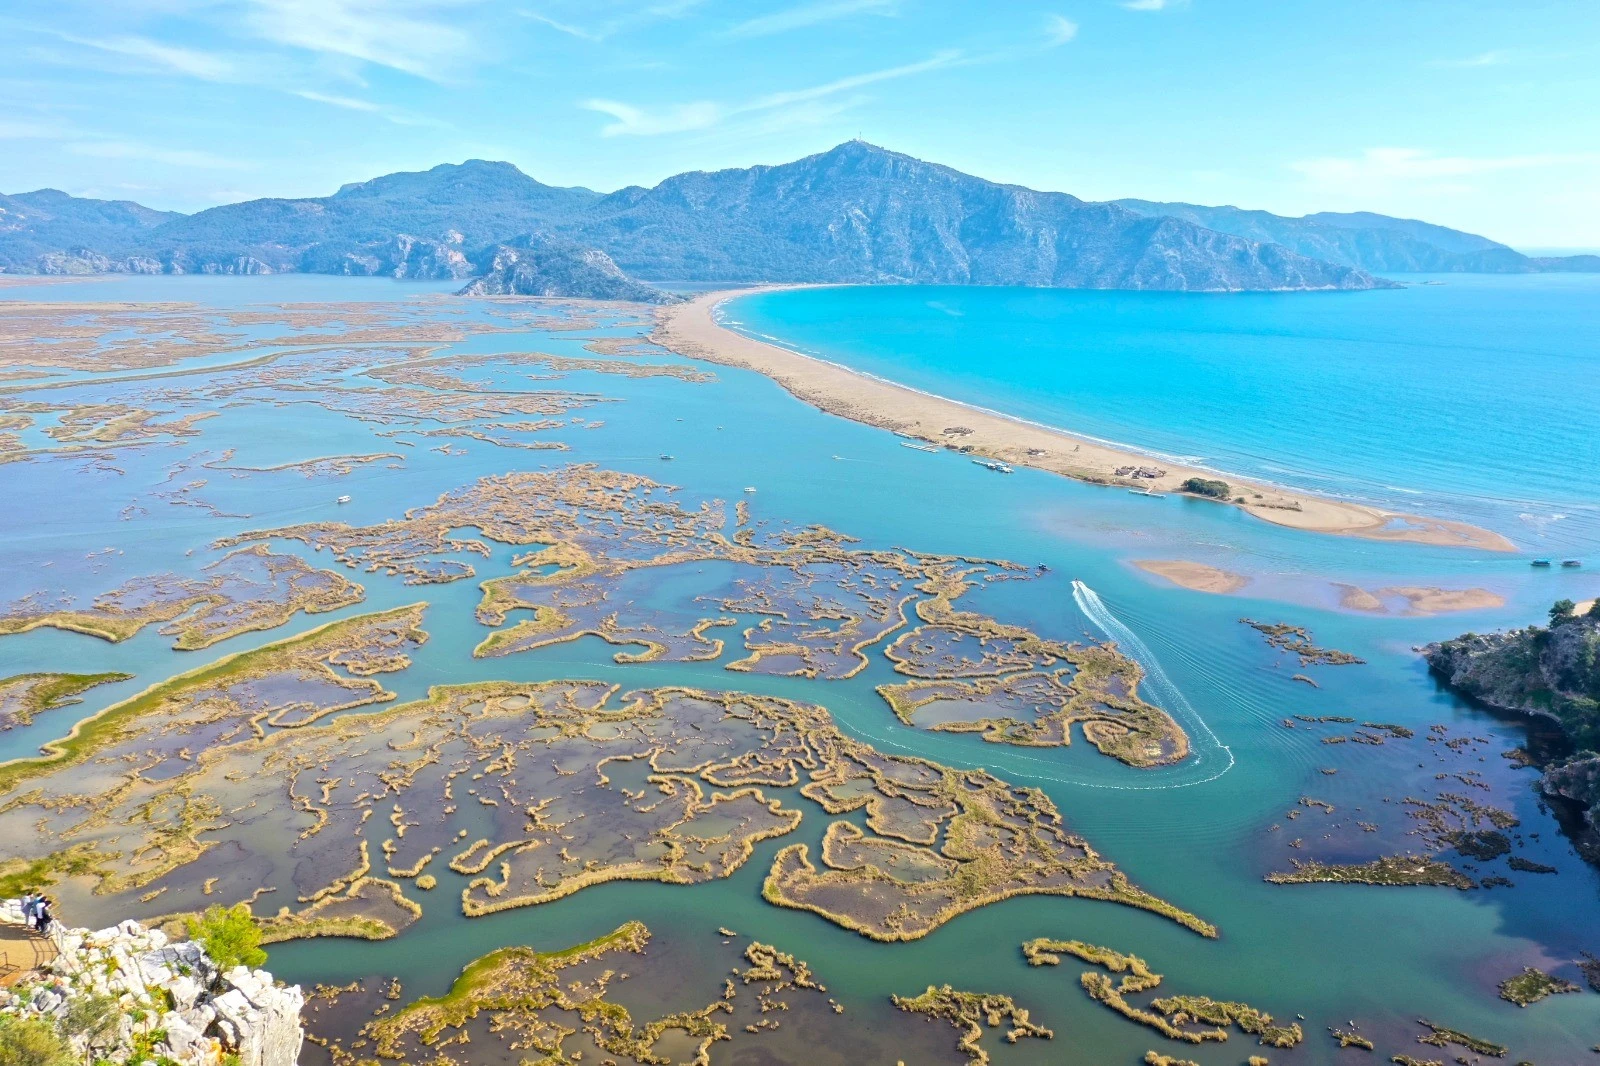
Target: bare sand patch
[[1191, 575], [1418, 599]]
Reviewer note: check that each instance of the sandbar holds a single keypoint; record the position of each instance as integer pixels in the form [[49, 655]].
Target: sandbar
[[691, 329], [1196, 576], [1419, 599]]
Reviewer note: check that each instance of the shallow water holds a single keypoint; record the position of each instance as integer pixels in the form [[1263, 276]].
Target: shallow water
[[1197, 834]]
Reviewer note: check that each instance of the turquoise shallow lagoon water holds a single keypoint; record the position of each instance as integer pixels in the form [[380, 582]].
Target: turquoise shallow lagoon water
[[1332, 953], [1465, 396]]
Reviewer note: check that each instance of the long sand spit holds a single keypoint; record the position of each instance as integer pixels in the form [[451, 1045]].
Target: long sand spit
[[691, 329]]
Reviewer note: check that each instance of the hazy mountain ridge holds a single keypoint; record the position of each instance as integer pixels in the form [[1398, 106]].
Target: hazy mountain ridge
[[41, 227], [1369, 241], [859, 213], [856, 213]]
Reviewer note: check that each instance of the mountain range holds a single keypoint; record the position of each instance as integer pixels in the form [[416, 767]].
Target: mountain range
[[856, 213]]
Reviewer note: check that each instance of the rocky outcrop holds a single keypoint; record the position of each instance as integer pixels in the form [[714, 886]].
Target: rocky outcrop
[[541, 265], [406, 256], [1577, 780], [84, 261], [1553, 672], [169, 991]]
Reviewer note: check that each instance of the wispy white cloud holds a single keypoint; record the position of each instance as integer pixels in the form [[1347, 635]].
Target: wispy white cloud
[[1152, 5], [349, 103], [633, 19], [567, 28], [179, 157], [812, 14], [190, 62], [352, 103], [1482, 59], [946, 58], [407, 35], [31, 130], [1058, 30], [632, 121], [1389, 165], [635, 121]]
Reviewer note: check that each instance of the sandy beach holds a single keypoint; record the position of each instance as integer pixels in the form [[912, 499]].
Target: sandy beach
[[1196, 576], [691, 329], [1418, 599]]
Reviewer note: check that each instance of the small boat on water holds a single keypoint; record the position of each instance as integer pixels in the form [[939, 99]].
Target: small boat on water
[[1571, 563], [665, 456], [994, 464], [917, 446], [749, 488], [1146, 492], [1540, 562], [343, 499]]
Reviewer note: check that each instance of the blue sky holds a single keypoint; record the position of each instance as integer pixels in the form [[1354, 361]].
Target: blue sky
[[1480, 115]]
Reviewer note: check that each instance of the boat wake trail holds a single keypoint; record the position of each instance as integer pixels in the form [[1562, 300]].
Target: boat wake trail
[[1209, 756]]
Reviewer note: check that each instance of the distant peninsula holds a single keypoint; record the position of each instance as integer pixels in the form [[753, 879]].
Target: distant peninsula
[[856, 214]]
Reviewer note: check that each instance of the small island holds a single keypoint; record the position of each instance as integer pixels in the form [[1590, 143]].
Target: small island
[[1531, 985]]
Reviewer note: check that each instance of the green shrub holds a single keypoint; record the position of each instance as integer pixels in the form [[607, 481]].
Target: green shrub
[[1202, 486], [32, 1042], [93, 1017], [230, 936]]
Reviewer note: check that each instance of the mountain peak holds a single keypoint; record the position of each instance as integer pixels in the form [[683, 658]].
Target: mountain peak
[[480, 176], [856, 150]]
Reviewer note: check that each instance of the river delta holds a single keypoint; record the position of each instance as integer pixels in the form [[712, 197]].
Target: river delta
[[551, 696]]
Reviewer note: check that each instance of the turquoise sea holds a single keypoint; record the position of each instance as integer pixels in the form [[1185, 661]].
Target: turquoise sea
[[1464, 396], [1476, 399]]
